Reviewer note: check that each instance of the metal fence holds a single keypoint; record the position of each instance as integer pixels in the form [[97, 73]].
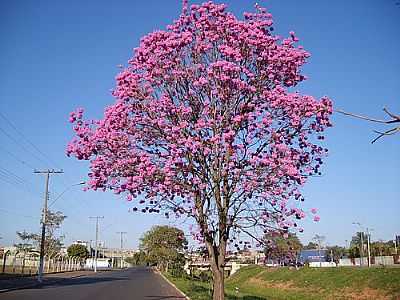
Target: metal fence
[[28, 263]]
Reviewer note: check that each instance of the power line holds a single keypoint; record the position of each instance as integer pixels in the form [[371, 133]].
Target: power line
[[26, 164], [26, 139], [15, 177], [46, 157], [15, 180], [22, 146], [16, 213], [63, 182], [4, 172], [17, 185]]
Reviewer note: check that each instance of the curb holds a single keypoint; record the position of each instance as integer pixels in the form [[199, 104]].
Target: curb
[[170, 283], [36, 284]]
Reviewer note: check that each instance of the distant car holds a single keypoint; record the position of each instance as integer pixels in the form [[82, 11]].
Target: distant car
[[293, 264], [271, 265]]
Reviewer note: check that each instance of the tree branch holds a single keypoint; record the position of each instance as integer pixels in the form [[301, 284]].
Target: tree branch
[[394, 119]]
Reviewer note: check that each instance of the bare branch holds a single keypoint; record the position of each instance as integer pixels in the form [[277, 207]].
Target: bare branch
[[395, 119], [360, 116], [388, 132]]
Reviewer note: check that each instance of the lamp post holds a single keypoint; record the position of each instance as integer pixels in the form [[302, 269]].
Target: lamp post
[[362, 242]]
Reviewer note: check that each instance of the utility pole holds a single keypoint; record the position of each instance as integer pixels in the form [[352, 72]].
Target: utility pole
[[368, 248], [122, 241], [44, 217], [97, 237]]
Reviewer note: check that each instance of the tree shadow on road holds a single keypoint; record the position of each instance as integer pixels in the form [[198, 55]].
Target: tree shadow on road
[[77, 281]]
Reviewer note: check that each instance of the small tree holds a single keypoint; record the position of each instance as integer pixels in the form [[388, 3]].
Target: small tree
[[381, 248], [137, 259], [354, 251], [26, 245], [164, 246], [311, 246], [77, 250], [357, 244], [52, 243], [282, 248], [206, 126], [336, 252]]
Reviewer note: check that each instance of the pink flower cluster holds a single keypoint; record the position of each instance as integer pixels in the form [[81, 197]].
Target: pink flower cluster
[[204, 125]]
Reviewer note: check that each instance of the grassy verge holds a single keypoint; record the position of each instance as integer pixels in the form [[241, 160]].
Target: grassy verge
[[258, 283]]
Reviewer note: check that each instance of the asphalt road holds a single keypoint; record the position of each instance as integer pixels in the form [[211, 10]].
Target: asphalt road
[[135, 283]]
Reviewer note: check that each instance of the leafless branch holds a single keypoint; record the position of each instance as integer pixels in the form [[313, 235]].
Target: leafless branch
[[388, 132], [394, 119]]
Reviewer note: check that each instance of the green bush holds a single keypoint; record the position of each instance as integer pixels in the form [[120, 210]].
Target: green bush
[[205, 276]]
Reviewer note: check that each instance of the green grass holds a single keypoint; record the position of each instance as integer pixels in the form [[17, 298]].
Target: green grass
[[259, 283]]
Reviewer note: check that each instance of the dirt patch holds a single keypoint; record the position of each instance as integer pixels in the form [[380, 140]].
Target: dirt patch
[[347, 293], [364, 294], [271, 284]]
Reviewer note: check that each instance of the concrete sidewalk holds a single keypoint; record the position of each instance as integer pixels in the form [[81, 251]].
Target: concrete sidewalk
[[17, 283]]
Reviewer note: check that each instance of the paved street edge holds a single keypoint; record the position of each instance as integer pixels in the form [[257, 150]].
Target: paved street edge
[[167, 280]]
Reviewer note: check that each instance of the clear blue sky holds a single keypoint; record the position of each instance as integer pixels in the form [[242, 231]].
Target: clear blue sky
[[58, 55]]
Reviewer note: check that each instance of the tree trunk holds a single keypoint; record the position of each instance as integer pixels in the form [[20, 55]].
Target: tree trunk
[[218, 291]]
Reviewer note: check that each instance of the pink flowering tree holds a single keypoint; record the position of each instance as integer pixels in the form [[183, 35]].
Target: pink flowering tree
[[206, 126]]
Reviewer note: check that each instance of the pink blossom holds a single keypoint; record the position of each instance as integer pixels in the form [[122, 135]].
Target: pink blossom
[[205, 115]]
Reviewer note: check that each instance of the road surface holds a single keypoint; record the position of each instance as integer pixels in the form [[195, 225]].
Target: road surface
[[133, 284]]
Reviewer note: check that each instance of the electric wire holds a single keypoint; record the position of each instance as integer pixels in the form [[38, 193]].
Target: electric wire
[[16, 213], [21, 145], [46, 159], [24, 163], [12, 177], [26, 139]]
